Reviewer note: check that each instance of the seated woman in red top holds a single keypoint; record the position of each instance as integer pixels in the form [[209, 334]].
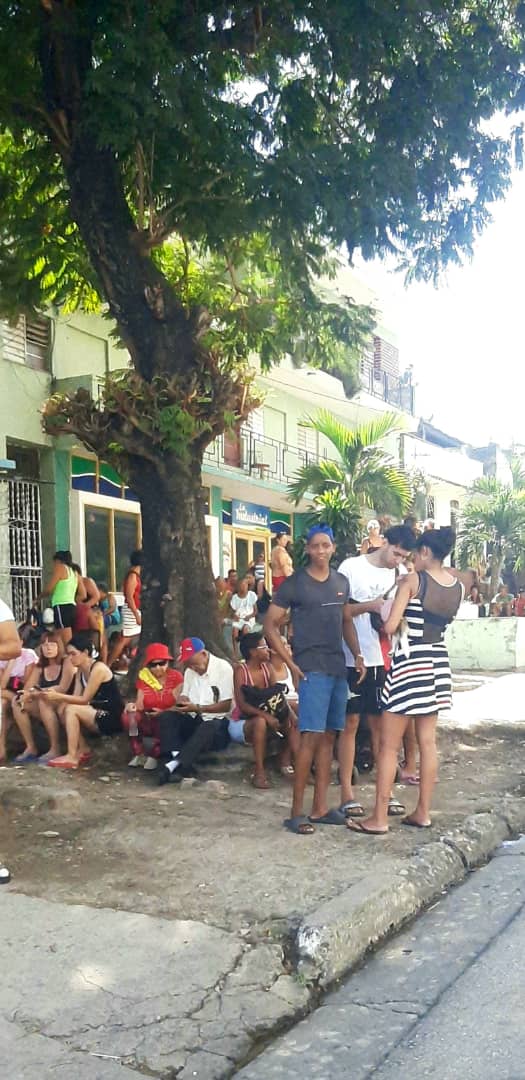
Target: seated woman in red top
[[158, 688]]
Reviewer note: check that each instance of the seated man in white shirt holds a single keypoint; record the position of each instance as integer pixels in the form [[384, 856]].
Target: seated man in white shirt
[[244, 606], [199, 719]]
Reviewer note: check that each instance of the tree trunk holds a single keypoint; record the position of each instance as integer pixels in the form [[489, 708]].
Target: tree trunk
[[178, 596], [495, 574]]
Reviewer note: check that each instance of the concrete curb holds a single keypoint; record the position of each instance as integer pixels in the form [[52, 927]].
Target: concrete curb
[[335, 937]]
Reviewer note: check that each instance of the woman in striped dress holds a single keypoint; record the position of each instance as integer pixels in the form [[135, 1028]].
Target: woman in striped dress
[[419, 682]]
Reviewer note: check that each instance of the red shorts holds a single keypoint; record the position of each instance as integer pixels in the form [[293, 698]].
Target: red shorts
[[277, 581]]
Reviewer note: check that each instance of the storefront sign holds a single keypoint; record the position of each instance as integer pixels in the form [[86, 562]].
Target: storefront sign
[[245, 513]]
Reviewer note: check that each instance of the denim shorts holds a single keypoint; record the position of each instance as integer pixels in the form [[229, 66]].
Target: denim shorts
[[236, 730], [322, 702]]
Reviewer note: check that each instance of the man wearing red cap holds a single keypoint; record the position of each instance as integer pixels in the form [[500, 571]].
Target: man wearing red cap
[[158, 688], [199, 720]]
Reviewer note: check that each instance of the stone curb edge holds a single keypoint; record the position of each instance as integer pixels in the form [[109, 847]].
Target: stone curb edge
[[335, 937], [332, 939]]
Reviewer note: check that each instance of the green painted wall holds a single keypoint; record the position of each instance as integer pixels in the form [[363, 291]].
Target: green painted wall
[[62, 469]]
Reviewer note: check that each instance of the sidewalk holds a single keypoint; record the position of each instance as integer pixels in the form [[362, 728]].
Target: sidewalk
[[216, 927]]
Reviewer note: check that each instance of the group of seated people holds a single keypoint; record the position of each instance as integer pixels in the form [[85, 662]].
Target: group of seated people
[[70, 695], [503, 605], [63, 687]]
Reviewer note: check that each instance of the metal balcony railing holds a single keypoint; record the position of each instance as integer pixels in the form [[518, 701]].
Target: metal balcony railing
[[258, 455], [390, 388]]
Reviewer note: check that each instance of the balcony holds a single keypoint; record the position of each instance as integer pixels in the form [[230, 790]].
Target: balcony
[[390, 388], [257, 455]]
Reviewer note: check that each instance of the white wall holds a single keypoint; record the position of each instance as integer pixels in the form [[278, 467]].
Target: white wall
[[451, 465]]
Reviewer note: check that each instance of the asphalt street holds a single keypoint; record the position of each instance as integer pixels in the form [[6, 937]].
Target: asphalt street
[[443, 999]]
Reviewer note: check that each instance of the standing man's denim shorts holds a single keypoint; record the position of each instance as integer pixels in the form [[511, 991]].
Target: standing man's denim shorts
[[322, 702]]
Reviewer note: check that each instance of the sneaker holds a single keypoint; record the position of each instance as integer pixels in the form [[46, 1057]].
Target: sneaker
[[137, 761], [150, 763]]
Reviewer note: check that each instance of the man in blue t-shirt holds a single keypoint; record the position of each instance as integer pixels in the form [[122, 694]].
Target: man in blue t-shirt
[[318, 598]]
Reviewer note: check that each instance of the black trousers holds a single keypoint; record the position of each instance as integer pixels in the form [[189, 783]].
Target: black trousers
[[186, 732]]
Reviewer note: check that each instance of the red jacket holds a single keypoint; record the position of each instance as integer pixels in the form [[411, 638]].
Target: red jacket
[[160, 699]]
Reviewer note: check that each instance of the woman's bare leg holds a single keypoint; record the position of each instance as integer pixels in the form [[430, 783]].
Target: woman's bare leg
[[49, 719], [22, 719], [74, 716], [409, 768], [6, 719], [391, 730], [255, 734], [428, 767]]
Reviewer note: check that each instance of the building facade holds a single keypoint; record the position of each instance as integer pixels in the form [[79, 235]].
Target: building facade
[[58, 495]]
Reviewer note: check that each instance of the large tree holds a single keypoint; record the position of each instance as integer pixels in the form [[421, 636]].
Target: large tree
[[143, 145]]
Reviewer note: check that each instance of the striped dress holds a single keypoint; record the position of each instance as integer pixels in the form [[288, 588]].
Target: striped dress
[[421, 684]]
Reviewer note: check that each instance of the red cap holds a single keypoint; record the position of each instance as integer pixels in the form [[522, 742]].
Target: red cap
[[157, 651], [188, 647]]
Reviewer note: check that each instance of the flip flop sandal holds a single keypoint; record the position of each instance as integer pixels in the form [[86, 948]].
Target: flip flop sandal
[[358, 827], [416, 824], [409, 781], [44, 759], [299, 825], [56, 764], [352, 809], [25, 759], [333, 817], [396, 808], [84, 759]]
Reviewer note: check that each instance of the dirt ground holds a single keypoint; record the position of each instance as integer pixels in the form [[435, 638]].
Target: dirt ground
[[215, 850]]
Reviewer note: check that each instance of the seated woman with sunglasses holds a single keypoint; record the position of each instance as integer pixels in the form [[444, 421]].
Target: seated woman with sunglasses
[[158, 687], [94, 706]]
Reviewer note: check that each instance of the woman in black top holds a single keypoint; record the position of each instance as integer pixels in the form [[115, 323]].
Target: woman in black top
[[95, 703]]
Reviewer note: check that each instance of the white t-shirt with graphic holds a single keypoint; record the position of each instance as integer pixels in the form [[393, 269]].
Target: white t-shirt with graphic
[[367, 582]]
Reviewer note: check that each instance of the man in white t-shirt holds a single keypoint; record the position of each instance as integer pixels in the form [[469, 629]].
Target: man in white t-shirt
[[199, 719], [370, 577], [10, 648]]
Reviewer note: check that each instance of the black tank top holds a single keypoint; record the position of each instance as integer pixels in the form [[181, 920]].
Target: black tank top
[[107, 698], [44, 683]]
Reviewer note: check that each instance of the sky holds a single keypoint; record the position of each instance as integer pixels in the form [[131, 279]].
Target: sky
[[465, 339]]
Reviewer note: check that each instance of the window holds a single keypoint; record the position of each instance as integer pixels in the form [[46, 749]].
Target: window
[[275, 424], [111, 536], [38, 338], [28, 342]]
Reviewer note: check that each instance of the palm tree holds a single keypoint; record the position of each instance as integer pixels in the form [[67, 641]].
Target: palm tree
[[494, 518], [364, 476]]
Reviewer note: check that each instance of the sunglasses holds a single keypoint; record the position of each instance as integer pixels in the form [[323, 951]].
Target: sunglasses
[[157, 663]]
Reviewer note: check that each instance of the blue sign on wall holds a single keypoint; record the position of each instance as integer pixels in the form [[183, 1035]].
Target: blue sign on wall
[[250, 514]]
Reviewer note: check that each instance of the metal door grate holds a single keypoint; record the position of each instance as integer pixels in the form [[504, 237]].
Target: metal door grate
[[25, 544]]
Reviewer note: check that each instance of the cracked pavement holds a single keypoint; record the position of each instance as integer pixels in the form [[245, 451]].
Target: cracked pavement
[[147, 931], [124, 993]]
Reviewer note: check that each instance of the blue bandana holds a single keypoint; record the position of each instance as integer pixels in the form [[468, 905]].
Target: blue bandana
[[319, 529]]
